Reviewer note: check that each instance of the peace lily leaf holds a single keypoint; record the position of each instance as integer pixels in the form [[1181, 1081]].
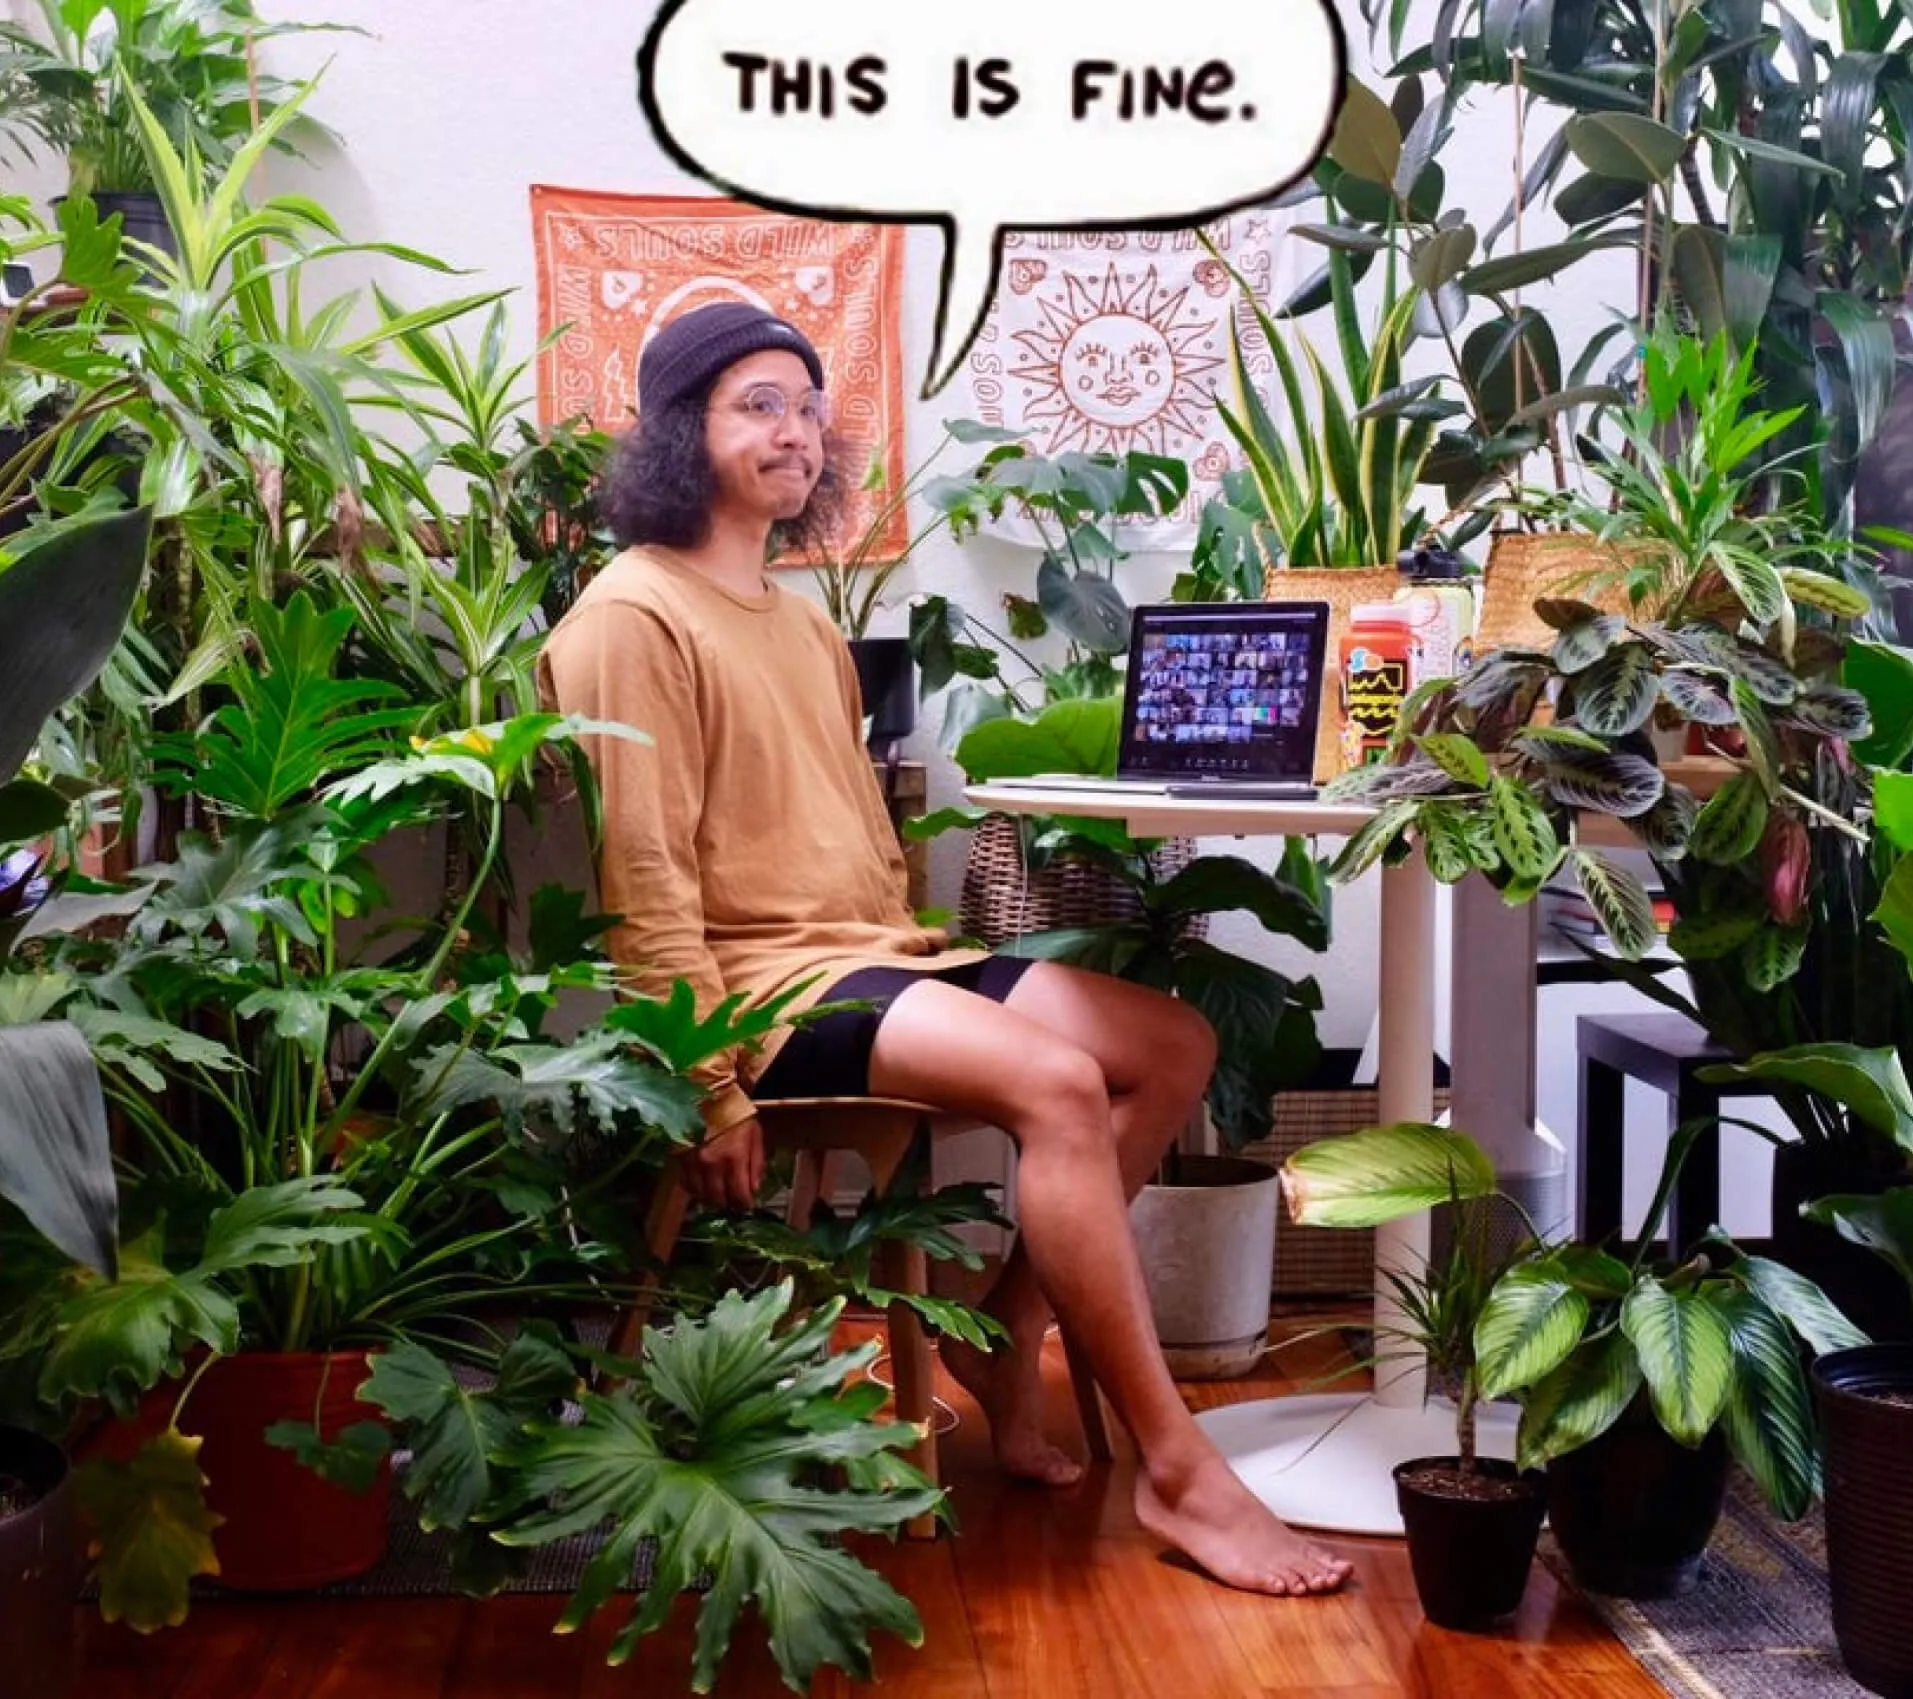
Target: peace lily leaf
[[1579, 1402], [1380, 1174], [1881, 1222], [56, 1159], [1769, 1414], [1731, 822], [1620, 899], [1870, 1083], [456, 1434], [1522, 832], [710, 1461], [1800, 1303], [152, 1530], [1684, 1353], [1529, 1326]]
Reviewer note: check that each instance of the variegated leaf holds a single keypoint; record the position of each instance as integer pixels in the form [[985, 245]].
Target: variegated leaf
[[1682, 1345], [1620, 899], [1530, 1324], [1622, 785], [1729, 826], [1523, 833], [1713, 937], [1698, 697], [1829, 595], [1617, 694], [1583, 643], [1773, 955]]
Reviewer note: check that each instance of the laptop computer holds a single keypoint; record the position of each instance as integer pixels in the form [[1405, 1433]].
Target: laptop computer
[[1222, 699]]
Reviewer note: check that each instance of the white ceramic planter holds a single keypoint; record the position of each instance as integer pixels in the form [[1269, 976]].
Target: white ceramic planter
[[1208, 1255]]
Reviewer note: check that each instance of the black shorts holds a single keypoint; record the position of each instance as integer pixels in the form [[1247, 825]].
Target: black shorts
[[832, 1058]]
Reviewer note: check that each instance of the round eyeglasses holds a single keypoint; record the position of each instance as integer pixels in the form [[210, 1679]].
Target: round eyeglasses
[[767, 401]]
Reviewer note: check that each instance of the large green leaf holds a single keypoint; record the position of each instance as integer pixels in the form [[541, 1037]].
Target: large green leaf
[[1080, 735], [1215, 884], [1380, 1174], [1083, 605], [1684, 1353], [1800, 1303], [1625, 146], [1531, 1323], [714, 1456], [56, 1159], [1580, 1401], [456, 1433], [63, 606], [1882, 1222], [1870, 1083], [1882, 674], [1769, 1413]]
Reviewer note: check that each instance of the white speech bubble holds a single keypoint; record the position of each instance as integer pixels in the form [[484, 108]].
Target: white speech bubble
[[1128, 114]]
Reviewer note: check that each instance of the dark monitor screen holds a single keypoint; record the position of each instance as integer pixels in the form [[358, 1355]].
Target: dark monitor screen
[[1224, 690]]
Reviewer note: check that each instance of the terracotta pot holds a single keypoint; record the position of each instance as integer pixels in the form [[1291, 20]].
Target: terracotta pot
[[285, 1528]]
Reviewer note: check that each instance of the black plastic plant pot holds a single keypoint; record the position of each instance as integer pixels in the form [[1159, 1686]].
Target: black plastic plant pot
[[1865, 1397], [1470, 1547], [887, 676], [1633, 1510], [40, 1566]]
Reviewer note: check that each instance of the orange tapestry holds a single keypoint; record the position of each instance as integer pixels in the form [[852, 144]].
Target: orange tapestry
[[614, 268]]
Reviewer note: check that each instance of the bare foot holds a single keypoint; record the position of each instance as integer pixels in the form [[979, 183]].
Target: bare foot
[[1215, 1520], [1008, 1383]]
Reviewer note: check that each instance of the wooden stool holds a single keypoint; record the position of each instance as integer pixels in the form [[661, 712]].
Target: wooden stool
[[1666, 1051], [882, 1131]]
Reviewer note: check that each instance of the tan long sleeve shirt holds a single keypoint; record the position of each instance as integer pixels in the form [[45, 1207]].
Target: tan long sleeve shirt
[[747, 848]]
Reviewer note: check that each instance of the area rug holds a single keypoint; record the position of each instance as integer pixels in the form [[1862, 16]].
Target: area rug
[[1757, 1625]]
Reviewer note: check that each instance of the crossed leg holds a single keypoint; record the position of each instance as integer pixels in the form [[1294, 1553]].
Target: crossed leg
[[1091, 1077]]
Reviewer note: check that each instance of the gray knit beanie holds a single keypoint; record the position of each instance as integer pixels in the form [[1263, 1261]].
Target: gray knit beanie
[[692, 350]]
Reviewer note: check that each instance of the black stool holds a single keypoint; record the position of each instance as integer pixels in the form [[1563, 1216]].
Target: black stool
[[1667, 1052]]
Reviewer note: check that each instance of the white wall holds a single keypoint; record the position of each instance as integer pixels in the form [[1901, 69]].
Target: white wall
[[450, 109]]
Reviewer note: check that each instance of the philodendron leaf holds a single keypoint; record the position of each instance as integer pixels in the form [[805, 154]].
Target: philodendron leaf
[[1523, 833], [717, 1459], [1617, 693], [1870, 1083], [1620, 899], [1684, 1353], [56, 1159], [455, 1433], [1769, 1414], [152, 1530], [351, 1459], [1731, 822], [1800, 1303], [1579, 1402], [1215, 884], [1380, 1174], [1530, 1324]]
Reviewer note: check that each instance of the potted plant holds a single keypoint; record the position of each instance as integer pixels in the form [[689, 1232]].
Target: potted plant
[[67, 86], [1471, 1522], [1638, 1378], [1206, 1227], [1865, 1400]]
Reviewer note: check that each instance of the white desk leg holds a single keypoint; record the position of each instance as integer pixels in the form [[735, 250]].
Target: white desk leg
[[1406, 1091], [1324, 1460]]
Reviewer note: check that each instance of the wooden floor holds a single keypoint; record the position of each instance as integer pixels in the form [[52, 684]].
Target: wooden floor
[[1044, 1595]]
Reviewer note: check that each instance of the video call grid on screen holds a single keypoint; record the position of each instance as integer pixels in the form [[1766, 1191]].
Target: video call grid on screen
[[1235, 694]]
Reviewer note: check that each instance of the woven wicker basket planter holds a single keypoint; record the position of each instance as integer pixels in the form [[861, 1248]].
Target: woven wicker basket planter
[[1342, 588], [1524, 567], [1002, 899]]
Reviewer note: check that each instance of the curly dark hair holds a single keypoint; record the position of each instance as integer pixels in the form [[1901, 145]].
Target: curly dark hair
[[658, 486]]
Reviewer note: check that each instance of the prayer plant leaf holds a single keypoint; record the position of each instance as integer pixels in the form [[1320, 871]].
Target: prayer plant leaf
[[715, 1458]]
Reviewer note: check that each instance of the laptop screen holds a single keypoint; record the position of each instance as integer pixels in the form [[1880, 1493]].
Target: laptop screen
[[1225, 690]]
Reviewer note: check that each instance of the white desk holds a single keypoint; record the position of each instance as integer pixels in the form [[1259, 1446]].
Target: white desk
[[1323, 1461]]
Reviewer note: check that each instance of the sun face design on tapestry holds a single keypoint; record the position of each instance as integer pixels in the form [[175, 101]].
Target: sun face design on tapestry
[[1118, 363]]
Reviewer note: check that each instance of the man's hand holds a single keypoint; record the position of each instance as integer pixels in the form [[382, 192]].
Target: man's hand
[[726, 1172]]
